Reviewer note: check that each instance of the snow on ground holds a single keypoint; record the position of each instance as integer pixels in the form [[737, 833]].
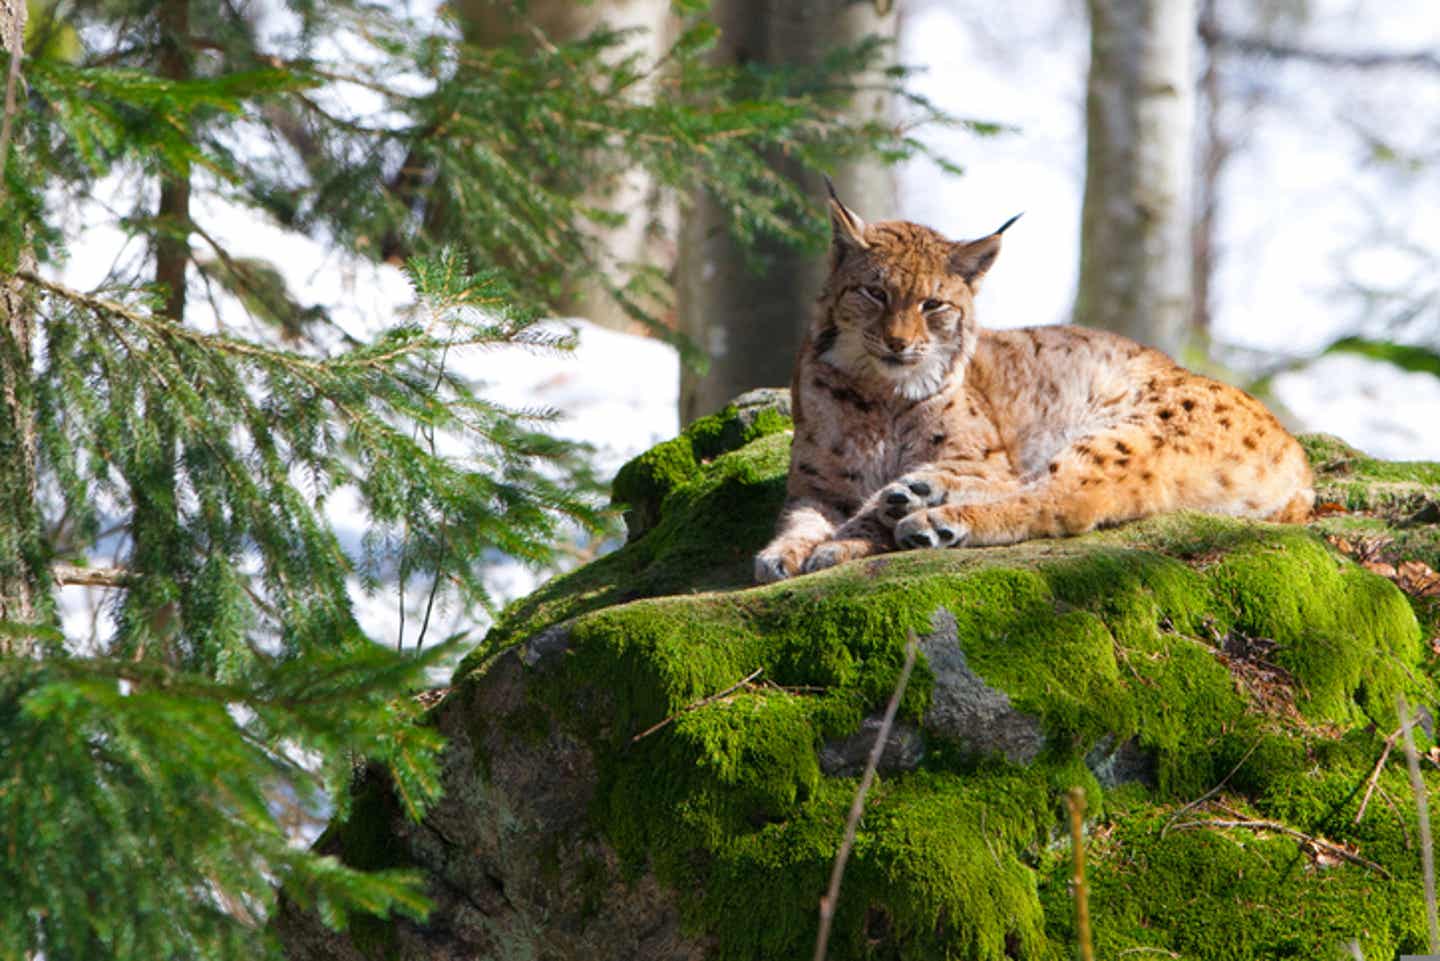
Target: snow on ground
[[1376, 406]]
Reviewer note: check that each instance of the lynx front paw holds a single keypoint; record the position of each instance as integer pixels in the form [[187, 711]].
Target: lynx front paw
[[930, 528], [775, 564], [909, 494], [831, 553]]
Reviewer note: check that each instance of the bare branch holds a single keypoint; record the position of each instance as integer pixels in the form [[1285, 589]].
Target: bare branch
[[1260, 824], [1075, 800], [73, 575], [1353, 59], [1374, 778], [1422, 808], [857, 807], [699, 704]]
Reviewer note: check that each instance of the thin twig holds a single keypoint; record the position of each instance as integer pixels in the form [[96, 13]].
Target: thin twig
[[1399, 818], [1422, 807], [73, 574], [1259, 824], [1146, 949], [1075, 800], [698, 704], [857, 806], [1374, 778], [1210, 793], [1355, 59]]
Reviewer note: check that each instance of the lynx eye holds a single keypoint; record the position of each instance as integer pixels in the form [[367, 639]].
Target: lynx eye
[[876, 294], [930, 305]]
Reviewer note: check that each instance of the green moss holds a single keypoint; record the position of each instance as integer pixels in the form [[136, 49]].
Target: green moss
[[1234, 893], [1104, 639], [1358, 482], [1316, 607], [642, 485], [1093, 636], [715, 519]]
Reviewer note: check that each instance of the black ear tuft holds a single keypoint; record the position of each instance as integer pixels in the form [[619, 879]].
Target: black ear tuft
[[847, 230], [1006, 225]]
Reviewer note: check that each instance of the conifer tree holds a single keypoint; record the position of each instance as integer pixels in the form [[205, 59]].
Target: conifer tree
[[145, 774]]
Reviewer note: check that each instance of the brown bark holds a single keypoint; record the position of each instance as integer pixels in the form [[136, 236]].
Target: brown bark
[[20, 560], [750, 324], [172, 217], [21, 557]]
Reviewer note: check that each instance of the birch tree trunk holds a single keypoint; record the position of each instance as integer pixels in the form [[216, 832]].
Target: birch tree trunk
[[751, 324], [1135, 225]]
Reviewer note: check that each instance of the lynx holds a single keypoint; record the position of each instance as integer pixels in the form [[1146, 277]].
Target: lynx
[[914, 428]]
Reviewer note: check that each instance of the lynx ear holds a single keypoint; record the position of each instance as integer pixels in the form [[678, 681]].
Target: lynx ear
[[847, 230], [971, 260]]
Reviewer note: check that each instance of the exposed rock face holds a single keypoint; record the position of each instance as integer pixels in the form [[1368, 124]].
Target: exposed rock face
[[1147, 664]]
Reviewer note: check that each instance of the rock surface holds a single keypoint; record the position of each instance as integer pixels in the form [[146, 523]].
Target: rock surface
[[603, 802]]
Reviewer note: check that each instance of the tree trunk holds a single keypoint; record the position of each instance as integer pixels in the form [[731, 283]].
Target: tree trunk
[[172, 218], [751, 324], [21, 550], [635, 241], [1135, 227], [22, 554]]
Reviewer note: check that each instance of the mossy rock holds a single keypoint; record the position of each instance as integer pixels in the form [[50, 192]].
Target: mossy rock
[[623, 810]]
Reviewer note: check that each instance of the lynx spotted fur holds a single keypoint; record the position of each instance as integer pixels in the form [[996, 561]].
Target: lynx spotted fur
[[915, 428]]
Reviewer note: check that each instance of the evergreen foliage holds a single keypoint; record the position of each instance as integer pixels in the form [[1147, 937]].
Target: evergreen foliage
[[149, 775]]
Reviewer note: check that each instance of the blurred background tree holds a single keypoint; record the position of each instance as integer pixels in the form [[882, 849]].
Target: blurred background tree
[[748, 304], [161, 759], [1135, 226]]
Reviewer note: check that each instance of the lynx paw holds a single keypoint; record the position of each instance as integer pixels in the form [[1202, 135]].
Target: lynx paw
[[775, 564], [831, 553], [909, 494], [930, 528]]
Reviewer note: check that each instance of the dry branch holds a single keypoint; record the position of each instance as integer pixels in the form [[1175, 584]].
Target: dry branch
[[1260, 824], [1075, 800], [695, 706], [857, 806], [1210, 793], [1422, 808], [74, 575], [1355, 59], [1374, 778]]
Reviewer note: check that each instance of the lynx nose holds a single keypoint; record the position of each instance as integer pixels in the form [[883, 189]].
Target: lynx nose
[[897, 345]]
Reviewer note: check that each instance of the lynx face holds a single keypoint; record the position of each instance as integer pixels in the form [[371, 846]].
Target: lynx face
[[900, 300]]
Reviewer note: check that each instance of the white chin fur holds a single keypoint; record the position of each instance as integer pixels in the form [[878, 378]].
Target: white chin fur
[[916, 382], [923, 380]]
